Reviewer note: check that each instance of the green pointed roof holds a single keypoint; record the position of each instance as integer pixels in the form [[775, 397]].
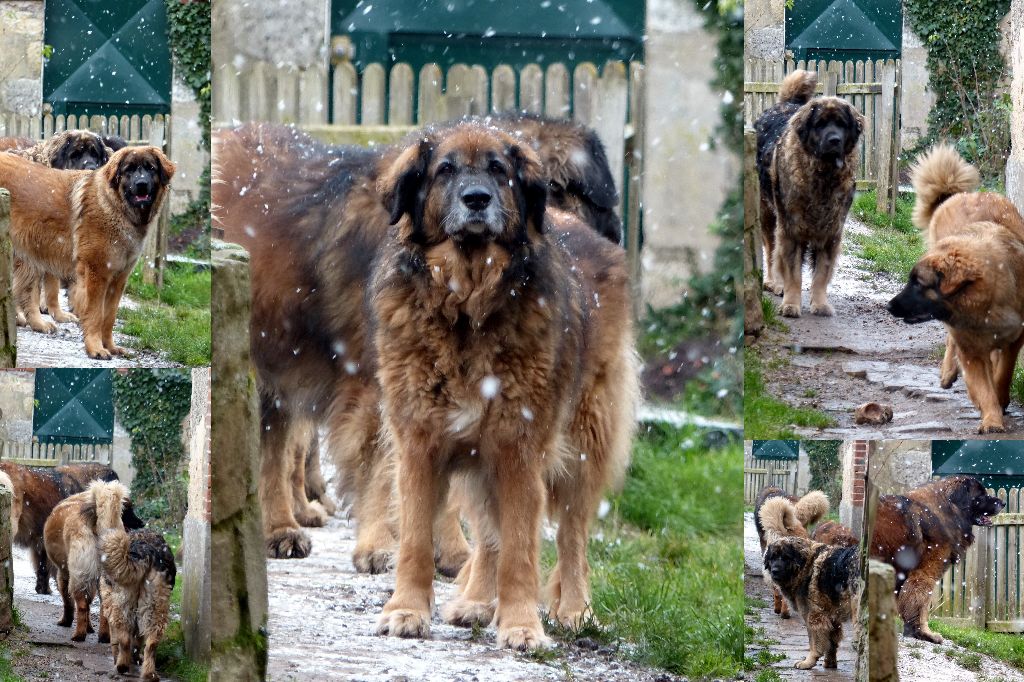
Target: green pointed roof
[[776, 449], [842, 26], [995, 463], [73, 406]]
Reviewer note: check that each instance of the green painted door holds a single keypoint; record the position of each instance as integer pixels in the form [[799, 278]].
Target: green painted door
[[110, 57], [845, 29], [993, 462], [73, 406]]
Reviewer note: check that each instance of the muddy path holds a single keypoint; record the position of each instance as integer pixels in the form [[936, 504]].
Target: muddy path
[[862, 354], [784, 637], [323, 616], [65, 347], [42, 650]]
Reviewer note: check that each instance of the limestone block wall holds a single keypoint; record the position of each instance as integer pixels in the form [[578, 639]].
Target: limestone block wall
[[896, 466], [21, 56]]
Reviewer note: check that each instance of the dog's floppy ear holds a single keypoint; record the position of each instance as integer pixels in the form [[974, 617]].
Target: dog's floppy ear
[[112, 169], [114, 143], [400, 186], [533, 185], [595, 181], [165, 166], [61, 153], [955, 272], [855, 122], [803, 122]]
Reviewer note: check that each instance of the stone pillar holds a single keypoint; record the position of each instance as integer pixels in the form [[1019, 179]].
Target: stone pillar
[[8, 332], [195, 573], [896, 466], [6, 563], [916, 99], [21, 56], [854, 456], [1015, 164], [240, 591], [764, 29]]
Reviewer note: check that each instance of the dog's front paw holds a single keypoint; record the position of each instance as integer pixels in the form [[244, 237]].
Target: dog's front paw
[[774, 287], [806, 664], [994, 427], [822, 309], [288, 543], [790, 310], [313, 516], [523, 637], [404, 623], [466, 613], [373, 560]]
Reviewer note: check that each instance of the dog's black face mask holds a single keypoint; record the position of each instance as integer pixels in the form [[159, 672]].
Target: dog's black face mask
[[830, 131], [783, 561], [140, 181], [921, 299], [81, 153]]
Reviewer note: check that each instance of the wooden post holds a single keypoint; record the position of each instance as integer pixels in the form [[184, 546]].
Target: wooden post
[[634, 163], [977, 577], [8, 332], [6, 564], [753, 316], [887, 152]]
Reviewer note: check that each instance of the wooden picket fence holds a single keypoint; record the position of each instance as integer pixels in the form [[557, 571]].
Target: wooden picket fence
[[136, 130], [760, 473], [986, 589], [872, 87], [54, 454], [382, 104]]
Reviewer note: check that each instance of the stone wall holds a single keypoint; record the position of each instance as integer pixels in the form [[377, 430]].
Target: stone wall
[[896, 466], [685, 179], [186, 147], [195, 574], [21, 57], [16, 402], [916, 100], [1015, 164], [287, 33], [764, 32], [239, 595]]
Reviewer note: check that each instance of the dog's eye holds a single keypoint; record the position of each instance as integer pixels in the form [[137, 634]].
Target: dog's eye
[[496, 167], [446, 168]]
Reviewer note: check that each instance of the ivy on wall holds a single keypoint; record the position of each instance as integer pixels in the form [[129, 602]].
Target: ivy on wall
[[823, 460], [967, 73], [152, 405]]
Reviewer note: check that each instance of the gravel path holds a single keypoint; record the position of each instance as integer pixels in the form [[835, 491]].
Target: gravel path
[[864, 354], [323, 616], [65, 347]]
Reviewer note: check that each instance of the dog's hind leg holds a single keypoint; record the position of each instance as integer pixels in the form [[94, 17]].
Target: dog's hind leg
[[51, 287], [950, 368], [41, 563], [477, 598], [83, 625], [978, 375], [284, 538], [1004, 366], [835, 636], [27, 281], [316, 486], [149, 659], [306, 513], [916, 594], [825, 258], [68, 615], [817, 641], [104, 635], [451, 551]]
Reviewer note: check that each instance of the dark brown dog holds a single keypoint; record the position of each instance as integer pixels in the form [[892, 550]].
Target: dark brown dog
[[311, 367], [806, 161], [40, 489], [504, 353], [87, 224], [807, 509], [971, 278], [922, 533], [833, 533]]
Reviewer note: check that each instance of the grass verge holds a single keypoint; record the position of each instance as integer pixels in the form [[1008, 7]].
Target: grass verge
[[767, 417], [1006, 647], [174, 320], [666, 563], [171, 657], [893, 245]]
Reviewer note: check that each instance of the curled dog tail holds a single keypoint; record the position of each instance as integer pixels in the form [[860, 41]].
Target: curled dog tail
[[127, 557], [937, 175], [811, 508], [109, 498], [798, 87], [779, 519]]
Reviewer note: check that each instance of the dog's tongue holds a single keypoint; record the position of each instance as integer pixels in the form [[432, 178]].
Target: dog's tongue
[[839, 162], [142, 197]]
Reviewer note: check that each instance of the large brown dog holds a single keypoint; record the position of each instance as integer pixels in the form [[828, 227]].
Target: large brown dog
[[72, 543], [922, 533], [37, 490], [833, 533], [308, 327], [808, 510], [807, 165], [135, 589], [89, 225], [504, 349], [971, 278], [819, 580]]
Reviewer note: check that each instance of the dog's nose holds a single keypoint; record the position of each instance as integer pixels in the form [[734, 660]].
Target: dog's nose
[[476, 198], [834, 140], [90, 165]]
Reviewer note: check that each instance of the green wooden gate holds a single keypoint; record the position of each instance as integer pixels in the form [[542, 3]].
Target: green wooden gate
[[110, 57], [73, 406], [845, 29]]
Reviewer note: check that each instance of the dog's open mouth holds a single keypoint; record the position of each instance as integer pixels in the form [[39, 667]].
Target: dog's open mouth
[[982, 520], [918, 318], [142, 198]]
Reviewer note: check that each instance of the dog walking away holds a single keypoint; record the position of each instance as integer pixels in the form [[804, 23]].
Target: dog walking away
[[807, 510], [971, 278], [137, 578], [72, 535], [819, 581], [807, 168]]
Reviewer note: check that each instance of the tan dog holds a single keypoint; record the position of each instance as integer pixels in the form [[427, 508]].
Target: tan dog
[[89, 225], [971, 278], [138, 576], [505, 357], [72, 543]]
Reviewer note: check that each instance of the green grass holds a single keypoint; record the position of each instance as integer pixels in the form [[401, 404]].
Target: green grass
[[1006, 647], [1017, 385], [171, 658], [767, 417], [175, 320], [894, 245], [7, 673], [666, 563]]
